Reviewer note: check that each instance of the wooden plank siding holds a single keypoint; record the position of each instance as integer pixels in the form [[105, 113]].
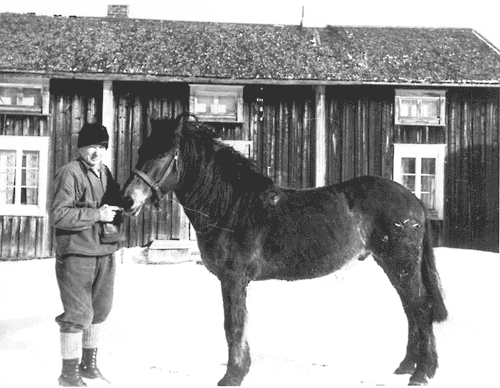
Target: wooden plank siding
[[282, 127], [360, 132], [472, 184]]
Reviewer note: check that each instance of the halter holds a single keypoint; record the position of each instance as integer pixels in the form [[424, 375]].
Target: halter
[[156, 186]]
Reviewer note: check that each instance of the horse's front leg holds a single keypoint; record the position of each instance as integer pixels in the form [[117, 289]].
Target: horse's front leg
[[234, 293]]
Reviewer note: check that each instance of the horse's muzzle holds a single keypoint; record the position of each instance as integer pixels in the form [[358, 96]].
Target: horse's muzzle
[[127, 203]]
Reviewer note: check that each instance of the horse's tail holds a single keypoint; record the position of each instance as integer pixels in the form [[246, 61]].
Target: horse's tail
[[431, 278]]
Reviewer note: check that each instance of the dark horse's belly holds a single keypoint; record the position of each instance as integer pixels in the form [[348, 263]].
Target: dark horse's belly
[[313, 234]]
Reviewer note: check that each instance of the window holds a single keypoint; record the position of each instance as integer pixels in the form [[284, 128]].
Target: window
[[23, 175], [25, 98], [420, 168], [420, 107], [217, 102]]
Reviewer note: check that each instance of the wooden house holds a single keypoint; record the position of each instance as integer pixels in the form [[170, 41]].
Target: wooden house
[[311, 106]]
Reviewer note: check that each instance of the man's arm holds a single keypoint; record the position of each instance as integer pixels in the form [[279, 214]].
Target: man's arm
[[65, 212]]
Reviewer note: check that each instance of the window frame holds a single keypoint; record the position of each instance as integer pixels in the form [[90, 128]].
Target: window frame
[[420, 151], [214, 92], [28, 143], [420, 96], [22, 85]]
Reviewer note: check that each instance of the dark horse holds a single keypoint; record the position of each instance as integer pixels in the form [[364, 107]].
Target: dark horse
[[250, 229]]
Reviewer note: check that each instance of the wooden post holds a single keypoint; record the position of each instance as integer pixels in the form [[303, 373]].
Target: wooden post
[[108, 115], [321, 156]]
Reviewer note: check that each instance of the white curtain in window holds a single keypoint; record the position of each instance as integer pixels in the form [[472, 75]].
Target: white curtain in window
[[7, 176], [29, 177]]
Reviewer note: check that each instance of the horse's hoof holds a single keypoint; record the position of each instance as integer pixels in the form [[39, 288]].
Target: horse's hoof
[[405, 368], [418, 383], [418, 378], [229, 381]]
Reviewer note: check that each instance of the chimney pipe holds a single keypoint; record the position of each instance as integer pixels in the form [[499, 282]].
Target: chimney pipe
[[118, 11]]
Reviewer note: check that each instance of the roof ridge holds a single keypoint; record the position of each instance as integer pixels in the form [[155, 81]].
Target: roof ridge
[[397, 27], [107, 18]]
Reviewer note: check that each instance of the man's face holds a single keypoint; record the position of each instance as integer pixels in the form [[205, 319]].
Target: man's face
[[93, 154]]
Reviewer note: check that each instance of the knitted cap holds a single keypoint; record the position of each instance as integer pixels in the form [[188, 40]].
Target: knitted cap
[[93, 134]]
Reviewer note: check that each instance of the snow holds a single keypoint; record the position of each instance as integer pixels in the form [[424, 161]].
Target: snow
[[166, 327]]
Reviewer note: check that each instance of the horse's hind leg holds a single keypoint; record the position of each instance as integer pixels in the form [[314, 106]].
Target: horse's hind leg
[[234, 291], [403, 267]]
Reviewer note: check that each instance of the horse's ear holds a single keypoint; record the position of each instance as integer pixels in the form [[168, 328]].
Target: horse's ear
[[153, 114], [155, 121]]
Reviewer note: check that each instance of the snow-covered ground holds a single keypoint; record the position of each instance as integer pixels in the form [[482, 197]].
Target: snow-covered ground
[[166, 327]]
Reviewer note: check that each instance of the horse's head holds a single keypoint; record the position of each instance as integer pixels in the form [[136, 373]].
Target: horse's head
[[158, 168]]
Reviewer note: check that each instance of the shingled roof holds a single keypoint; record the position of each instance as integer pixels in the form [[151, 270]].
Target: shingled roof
[[223, 52]]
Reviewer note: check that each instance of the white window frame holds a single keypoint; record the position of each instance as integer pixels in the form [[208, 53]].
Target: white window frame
[[214, 92], [418, 97], [20, 144], [22, 106], [419, 151]]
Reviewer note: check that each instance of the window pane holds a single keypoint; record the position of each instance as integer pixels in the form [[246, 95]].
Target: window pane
[[7, 195], [429, 108], [29, 177], [4, 100], [29, 196], [7, 176], [227, 105], [409, 182], [428, 184], [30, 159], [30, 168], [204, 104], [408, 107], [429, 199], [8, 96], [429, 166], [408, 165], [7, 159], [31, 97]]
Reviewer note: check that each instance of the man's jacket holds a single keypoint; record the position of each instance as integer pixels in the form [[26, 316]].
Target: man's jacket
[[74, 212]]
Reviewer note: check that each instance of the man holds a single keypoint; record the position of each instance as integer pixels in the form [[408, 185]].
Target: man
[[84, 202]]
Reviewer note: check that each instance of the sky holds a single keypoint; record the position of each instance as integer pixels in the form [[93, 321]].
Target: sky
[[479, 15]]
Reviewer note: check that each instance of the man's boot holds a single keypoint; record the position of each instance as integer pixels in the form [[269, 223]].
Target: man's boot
[[88, 366], [70, 375]]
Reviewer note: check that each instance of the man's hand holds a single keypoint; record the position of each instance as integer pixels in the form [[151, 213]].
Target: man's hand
[[107, 213]]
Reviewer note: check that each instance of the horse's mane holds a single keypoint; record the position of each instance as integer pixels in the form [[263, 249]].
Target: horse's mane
[[220, 187]]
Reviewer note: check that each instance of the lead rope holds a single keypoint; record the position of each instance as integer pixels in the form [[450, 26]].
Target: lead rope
[[122, 254]]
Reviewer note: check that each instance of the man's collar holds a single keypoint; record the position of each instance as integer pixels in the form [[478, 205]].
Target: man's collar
[[87, 166]]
